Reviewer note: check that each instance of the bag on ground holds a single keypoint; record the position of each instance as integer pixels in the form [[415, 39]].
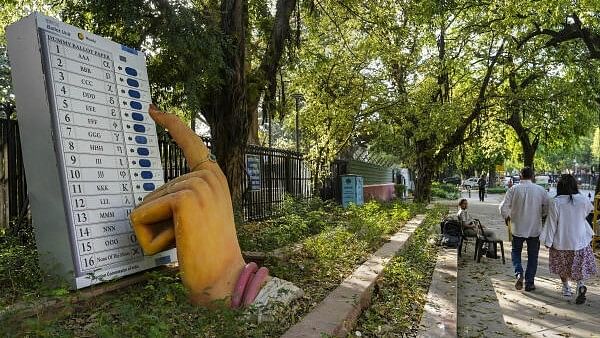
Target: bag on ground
[[450, 228]]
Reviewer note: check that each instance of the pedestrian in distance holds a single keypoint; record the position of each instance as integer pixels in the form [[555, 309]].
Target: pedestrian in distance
[[567, 235], [481, 184], [524, 206]]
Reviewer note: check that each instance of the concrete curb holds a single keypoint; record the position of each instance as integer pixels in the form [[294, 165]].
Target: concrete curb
[[441, 310], [336, 315]]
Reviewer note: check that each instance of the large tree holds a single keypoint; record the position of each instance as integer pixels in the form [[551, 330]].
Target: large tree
[[550, 94], [206, 57]]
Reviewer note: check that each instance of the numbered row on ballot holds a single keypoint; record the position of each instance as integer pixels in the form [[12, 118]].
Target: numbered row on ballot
[[97, 245], [138, 188], [102, 230], [93, 261], [137, 115], [92, 77], [99, 92]]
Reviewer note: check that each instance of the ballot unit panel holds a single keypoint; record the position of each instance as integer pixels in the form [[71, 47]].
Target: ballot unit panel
[[105, 145]]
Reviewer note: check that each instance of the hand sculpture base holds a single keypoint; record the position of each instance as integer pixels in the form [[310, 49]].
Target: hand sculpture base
[[194, 213]]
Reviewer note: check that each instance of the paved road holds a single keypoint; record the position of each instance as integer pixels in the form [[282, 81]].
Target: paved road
[[489, 305]]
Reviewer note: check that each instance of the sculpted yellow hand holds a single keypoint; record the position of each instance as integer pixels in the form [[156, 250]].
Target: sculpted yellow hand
[[194, 213]]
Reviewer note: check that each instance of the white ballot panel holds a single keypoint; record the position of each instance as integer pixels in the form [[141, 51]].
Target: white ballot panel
[[89, 146]]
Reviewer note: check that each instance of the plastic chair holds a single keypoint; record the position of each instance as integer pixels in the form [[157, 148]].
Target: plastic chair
[[482, 239], [464, 239]]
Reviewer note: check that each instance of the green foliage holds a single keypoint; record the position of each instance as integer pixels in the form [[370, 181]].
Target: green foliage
[[498, 190], [19, 271], [399, 189], [446, 191], [160, 306], [20, 275], [398, 301], [299, 219], [183, 43]]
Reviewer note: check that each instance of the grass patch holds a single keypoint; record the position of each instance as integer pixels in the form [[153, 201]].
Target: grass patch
[[401, 292], [20, 276], [444, 190], [160, 307], [299, 219]]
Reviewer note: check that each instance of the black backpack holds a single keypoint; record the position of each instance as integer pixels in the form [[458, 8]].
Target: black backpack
[[451, 233]]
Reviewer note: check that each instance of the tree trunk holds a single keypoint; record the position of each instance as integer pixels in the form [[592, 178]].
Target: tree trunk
[[529, 147], [492, 176], [228, 115], [424, 172], [264, 78], [528, 155]]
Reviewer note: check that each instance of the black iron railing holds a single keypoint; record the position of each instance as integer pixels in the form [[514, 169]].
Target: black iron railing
[[281, 173]]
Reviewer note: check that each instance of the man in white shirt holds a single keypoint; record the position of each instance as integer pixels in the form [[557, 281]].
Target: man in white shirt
[[525, 205]]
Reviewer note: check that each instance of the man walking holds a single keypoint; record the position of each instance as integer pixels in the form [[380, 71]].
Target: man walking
[[525, 205], [481, 184]]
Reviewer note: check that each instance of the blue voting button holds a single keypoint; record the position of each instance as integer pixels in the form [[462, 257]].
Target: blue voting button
[[133, 83], [148, 186], [139, 128], [129, 50], [146, 175], [145, 163], [141, 139], [134, 93], [137, 116], [135, 105], [130, 71], [143, 151]]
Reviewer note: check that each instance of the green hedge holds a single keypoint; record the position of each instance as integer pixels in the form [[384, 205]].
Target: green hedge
[[444, 190], [497, 190]]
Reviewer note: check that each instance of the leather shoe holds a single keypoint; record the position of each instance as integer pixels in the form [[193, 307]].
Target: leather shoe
[[519, 283], [529, 287]]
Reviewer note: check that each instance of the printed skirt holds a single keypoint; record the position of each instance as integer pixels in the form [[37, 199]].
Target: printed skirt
[[573, 264]]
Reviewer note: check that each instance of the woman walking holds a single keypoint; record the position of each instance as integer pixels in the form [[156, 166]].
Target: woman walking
[[568, 235]]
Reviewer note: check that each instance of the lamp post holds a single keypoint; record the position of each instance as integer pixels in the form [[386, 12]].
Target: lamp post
[[298, 97]]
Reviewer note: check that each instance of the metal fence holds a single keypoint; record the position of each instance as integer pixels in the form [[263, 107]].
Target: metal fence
[[13, 187], [281, 172]]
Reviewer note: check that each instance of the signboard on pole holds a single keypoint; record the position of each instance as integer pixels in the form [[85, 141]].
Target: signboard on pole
[[253, 170]]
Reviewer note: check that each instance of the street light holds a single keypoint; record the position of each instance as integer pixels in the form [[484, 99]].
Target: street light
[[298, 97]]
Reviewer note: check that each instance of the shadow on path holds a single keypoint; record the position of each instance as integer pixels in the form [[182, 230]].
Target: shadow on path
[[489, 305]]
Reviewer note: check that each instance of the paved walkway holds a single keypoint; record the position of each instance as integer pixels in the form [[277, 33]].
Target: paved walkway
[[489, 305]]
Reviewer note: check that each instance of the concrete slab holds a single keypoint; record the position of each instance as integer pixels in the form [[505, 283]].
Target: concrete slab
[[439, 314]]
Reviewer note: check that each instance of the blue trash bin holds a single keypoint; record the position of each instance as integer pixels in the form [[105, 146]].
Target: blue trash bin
[[352, 190]]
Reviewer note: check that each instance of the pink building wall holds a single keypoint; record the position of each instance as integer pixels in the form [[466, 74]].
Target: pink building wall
[[380, 192]]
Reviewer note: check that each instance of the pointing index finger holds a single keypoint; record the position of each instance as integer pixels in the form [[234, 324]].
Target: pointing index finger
[[194, 149]]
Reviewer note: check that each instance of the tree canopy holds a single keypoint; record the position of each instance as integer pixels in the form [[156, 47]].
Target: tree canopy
[[430, 83]]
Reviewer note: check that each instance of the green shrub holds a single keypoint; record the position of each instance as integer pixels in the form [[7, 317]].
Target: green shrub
[[496, 190], [399, 189], [300, 218], [444, 190]]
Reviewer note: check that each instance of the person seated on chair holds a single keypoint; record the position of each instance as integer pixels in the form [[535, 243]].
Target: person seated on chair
[[469, 224]]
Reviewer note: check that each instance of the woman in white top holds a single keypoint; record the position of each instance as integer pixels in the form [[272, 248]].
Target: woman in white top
[[568, 235]]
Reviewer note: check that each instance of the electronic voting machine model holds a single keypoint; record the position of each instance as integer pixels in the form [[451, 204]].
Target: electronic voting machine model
[[89, 147]]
